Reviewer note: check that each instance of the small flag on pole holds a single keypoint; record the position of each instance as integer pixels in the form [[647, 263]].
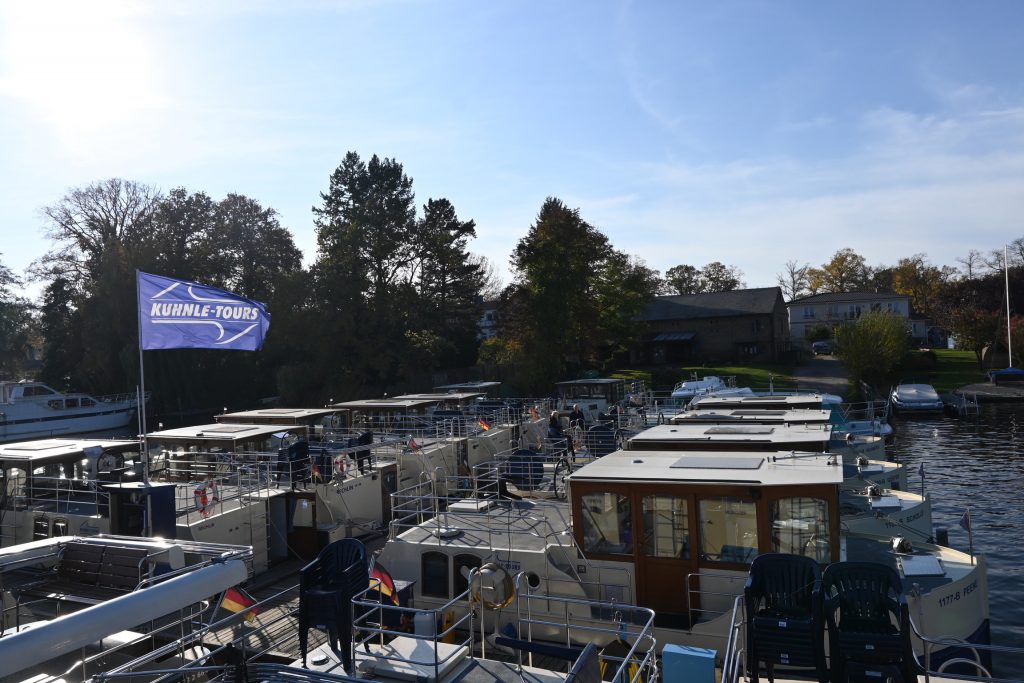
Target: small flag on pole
[[237, 600], [484, 424], [965, 520], [920, 469], [316, 472], [381, 579]]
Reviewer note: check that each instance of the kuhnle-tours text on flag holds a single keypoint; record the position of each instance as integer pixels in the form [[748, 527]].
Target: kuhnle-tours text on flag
[[176, 314]]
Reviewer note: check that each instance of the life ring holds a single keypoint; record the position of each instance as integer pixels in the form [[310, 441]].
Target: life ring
[[214, 491], [202, 500], [494, 580]]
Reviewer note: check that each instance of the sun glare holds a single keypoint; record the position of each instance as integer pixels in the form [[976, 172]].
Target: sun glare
[[84, 67]]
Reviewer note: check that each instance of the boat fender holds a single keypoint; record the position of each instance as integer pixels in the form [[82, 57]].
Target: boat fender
[[202, 499]]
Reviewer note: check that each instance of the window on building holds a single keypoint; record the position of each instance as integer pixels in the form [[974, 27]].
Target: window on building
[[876, 307], [832, 311], [808, 311]]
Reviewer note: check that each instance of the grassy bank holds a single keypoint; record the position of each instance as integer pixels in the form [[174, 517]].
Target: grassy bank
[[754, 376], [953, 370]]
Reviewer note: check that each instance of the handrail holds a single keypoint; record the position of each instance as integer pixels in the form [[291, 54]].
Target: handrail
[[732, 656]]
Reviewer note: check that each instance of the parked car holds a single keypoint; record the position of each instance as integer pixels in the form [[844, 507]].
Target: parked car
[[821, 348]]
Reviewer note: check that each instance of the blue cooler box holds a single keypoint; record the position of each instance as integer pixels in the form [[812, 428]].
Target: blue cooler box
[[682, 664]]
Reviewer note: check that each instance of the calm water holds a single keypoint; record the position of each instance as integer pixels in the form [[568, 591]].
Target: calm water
[[978, 462]]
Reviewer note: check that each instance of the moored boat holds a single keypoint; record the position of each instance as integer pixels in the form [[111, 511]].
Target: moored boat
[[33, 410], [916, 398]]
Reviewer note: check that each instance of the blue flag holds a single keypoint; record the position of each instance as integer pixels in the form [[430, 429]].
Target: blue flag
[[965, 520], [177, 314]]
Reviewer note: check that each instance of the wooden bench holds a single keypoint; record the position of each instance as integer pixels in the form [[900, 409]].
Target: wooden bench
[[92, 573]]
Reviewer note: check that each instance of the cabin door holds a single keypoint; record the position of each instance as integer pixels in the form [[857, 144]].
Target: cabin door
[[665, 554]]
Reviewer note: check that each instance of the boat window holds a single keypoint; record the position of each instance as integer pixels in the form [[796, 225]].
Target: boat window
[[462, 566], [88, 403], [39, 390], [71, 403], [607, 523], [666, 527], [728, 530], [800, 526], [434, 574]]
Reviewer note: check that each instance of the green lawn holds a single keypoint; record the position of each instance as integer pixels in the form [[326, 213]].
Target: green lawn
[[954, 370], [754, 376]]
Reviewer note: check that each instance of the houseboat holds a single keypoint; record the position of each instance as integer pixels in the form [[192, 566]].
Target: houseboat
[[33, 410]]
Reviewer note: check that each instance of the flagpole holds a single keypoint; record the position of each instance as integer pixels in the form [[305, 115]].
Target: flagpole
[[970, 534], [142, 410]]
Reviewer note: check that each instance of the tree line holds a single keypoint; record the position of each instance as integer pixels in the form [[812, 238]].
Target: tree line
[[392, 297]]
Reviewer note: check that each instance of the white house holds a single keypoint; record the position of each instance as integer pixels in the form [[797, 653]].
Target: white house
[[834, 309]]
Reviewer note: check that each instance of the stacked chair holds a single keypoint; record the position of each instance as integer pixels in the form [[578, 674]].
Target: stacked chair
[[326, 588], [790, 603]]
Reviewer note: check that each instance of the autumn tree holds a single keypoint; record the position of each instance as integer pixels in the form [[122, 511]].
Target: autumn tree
[[847, 271], [974, 329], [921, 281]]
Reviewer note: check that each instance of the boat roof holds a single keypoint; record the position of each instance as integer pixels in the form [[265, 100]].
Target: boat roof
[[773, 400], [702, 467], [281, 415], [457, 396], [388, 404], [781, 435], [468, 386], [751, 415], [596, 380], [44, 449], [219, 432]]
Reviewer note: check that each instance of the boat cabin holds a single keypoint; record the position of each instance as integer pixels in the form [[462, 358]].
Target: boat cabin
[[191, 453], [54, 487], [447, 402], [679, 518], [388, 414], [593, 396]]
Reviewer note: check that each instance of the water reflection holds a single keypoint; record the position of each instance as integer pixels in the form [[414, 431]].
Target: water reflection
[[977, 462]]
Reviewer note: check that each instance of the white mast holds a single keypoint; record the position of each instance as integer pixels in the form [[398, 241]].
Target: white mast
[[1009, 339]]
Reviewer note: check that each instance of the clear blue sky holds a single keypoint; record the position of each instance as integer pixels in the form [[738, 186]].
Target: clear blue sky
[[744, 132]]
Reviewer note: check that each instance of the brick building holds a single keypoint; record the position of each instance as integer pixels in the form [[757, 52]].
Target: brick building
[[745, 324]]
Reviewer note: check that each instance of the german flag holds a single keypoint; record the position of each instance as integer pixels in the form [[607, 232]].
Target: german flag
[[484, 424], [237, 600], [382, 581]]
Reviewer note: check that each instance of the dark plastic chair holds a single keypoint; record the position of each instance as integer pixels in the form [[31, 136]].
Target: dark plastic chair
[[784, 614], [326, 587], [868, 622]]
